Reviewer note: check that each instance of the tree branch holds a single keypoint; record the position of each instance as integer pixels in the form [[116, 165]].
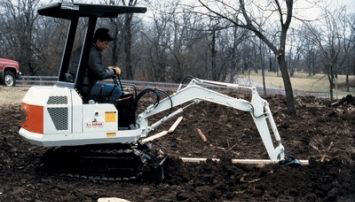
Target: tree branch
[[218, 14], [289, 4], [280, 11]]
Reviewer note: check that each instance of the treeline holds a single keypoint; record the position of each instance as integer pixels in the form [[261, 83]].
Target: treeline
[[173, 41]]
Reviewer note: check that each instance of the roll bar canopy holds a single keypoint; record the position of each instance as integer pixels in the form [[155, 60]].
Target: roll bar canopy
[[72, 12]]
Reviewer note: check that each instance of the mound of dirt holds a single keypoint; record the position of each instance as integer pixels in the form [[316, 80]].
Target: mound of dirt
[[322, 132]]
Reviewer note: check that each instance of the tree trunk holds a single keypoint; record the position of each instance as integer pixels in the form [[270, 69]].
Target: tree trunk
[[206, 74], [127, 46], [331, 90], [331, 82], [313, 65], [161, 75], [213, 57], [234, 57], [347, 83], [292, 72], [263, 74], [309, 68], [262, 64], [114, 56], [287, 82]]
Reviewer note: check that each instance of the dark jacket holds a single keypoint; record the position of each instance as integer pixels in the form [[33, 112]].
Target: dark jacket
[[96, 70]]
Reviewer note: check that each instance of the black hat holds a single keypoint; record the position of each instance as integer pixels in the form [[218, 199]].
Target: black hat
[[102, 34]]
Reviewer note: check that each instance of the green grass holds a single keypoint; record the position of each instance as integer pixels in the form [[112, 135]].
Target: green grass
[[301, 81]]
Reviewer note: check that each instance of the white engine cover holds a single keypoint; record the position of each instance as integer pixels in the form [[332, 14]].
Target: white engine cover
[[67, 121]]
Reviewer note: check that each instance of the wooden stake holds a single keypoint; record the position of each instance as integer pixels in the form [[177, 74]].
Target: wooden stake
[[202, 136], [176, 123], [153, 137], [238, 161], [163, 133]]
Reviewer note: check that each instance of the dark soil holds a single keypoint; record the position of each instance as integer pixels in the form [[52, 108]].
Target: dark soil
[[322, 132]]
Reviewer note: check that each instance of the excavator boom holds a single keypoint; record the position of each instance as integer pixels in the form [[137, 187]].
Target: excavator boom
[[197, 91]]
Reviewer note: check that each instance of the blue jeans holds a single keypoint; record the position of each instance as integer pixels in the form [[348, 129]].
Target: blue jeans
[[104, 91]]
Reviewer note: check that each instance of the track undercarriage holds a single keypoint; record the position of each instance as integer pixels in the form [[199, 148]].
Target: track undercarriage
[[109, 162]]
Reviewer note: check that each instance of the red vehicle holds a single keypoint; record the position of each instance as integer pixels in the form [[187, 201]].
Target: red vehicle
[[9, 71]]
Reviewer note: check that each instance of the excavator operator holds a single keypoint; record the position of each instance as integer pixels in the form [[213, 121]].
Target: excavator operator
[[97, 71]]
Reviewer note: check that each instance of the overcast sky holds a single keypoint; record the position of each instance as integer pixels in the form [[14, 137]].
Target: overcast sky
[[303, 7], [350, 4], [311, 10], [307, 9]]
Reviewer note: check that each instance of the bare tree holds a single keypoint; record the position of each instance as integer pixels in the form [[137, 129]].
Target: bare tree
[[128, 39], [258, 27], [50, 35], [262, 65], [309, 52], [294, 53], [326, 37], [117, 28], [352, 40], [18, 28], [346, 34], [155, 42], [238, 36]]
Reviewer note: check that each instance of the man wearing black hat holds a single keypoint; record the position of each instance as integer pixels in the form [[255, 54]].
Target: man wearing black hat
[[97, 71]]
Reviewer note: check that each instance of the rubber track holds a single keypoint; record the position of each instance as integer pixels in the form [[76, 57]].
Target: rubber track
[[112, 162]]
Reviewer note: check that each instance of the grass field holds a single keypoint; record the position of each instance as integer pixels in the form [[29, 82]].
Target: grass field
[[12, 95], [301, 81]]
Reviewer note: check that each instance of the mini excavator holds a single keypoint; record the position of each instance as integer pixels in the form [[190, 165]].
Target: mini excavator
[[91, 138]]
